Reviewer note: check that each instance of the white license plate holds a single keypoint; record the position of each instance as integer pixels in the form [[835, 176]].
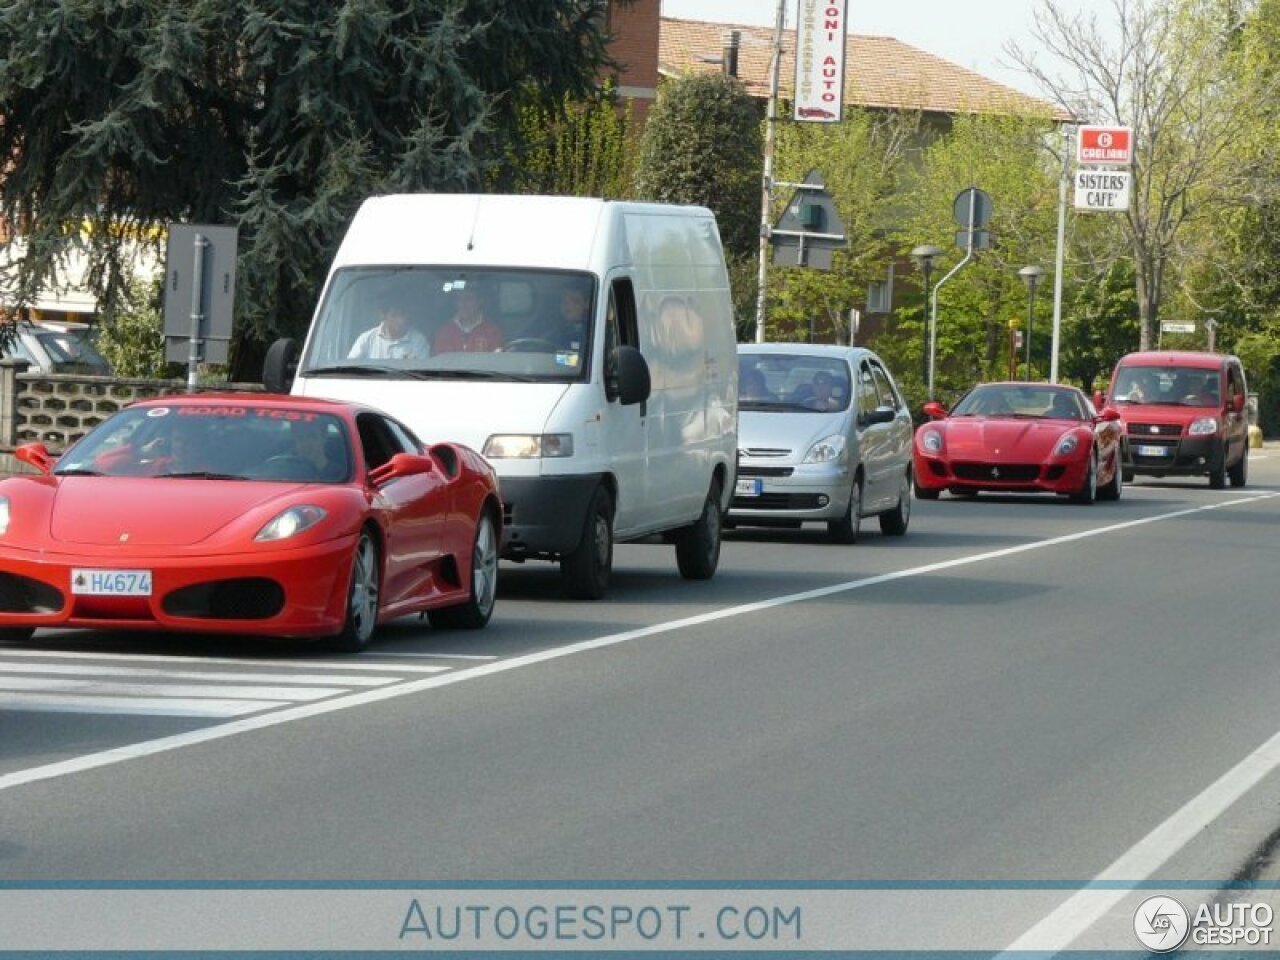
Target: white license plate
[[749, 487], [111, 583], [1153, 451]]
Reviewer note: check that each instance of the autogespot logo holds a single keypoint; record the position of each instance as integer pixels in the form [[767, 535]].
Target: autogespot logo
[[1161, 924]]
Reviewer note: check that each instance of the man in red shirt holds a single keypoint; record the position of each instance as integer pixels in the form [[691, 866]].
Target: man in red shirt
[[469, 331]]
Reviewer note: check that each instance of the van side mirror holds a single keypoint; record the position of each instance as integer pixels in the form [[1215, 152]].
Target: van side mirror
[[1108, 415], [630, 382], [1099, 399], [280, 366]]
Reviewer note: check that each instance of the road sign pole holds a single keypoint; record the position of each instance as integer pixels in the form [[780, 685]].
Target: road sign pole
[[197, 313], [766, 193], [1060, 255]]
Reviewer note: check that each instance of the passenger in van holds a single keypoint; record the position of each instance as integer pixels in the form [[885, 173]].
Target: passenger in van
[[391, 337], [574, 317], [469, 330]]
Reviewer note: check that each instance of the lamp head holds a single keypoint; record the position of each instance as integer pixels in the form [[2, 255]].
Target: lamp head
[[926, 254], [1031, 275]]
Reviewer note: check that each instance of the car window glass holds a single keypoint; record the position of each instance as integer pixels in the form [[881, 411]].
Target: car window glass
[[886, 396], [868, 399]]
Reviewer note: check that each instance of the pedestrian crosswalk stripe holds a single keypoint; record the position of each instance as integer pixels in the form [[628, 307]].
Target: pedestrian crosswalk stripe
[[143, 673], [138, 706], [182, 690]]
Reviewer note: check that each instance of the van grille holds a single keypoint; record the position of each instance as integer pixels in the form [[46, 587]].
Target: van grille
[[1139, 430]]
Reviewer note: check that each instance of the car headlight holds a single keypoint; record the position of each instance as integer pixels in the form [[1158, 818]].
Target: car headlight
[[827, 450], [931, 441], [291, 522], [1066, 445], [1203, 427], [524, 446], [4, 514]]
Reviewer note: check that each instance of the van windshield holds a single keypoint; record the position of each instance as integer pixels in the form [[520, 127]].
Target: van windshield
[[1168, 386], [443, 322]]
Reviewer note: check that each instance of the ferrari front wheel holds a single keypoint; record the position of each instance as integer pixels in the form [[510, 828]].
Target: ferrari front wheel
[[1113, 489], [477, 610], [362, 597]]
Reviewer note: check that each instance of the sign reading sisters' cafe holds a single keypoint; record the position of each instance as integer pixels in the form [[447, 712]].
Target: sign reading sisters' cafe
[[820, 45]]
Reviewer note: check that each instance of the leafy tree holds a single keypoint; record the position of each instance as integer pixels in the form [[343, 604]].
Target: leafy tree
[[702, 145], [277, 115], [131, 334]]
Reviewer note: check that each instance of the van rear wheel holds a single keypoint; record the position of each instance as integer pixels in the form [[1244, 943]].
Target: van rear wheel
[[698, 546], [584, 571]]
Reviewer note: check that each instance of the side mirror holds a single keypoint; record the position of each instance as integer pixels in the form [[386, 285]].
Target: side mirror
[[1237, 403], [1108, 415], [879, 415], [280, 366], [401, 465], [934, 410], [631, 382], [1099, 400], [36, 455]]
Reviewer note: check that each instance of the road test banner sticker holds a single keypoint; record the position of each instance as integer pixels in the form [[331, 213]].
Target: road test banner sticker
[[781, 920], [820, 44]]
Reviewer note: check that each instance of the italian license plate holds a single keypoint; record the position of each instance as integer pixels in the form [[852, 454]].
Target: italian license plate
[[111, 583], [1145, 451], [749, 487]]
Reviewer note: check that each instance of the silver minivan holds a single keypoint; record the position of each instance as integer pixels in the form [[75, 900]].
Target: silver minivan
[[823, 436]]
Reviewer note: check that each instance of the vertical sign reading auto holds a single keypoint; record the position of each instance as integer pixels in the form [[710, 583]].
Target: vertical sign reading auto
[[820, 43]]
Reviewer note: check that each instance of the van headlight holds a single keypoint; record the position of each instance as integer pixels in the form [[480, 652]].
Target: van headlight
[[827, 450], [931, 441], [524, 446], [4, 515], [291, 522], [1203, 427], [1066, 445]]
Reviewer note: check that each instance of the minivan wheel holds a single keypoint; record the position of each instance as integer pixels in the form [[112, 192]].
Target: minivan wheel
[[1218, 475], [894, 522], [1113, 489], [1240, 472], [698, 546], [584, 571], [845, 530]]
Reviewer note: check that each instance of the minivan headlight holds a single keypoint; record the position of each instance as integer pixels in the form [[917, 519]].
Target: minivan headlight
[[525, 446], [1066, 445], [827, 450], [931, 441], [1203, 427], [291, 522]]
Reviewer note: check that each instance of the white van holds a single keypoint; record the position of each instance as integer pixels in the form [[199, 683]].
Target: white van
[[619, 429]]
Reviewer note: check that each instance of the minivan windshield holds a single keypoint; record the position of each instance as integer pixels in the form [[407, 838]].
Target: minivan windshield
[[453, 323], [1167, 386]]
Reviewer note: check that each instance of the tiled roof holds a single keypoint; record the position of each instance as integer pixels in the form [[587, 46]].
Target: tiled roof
[[880, 72]]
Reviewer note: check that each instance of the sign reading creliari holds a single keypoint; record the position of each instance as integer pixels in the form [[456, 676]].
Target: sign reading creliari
[[820, 44]]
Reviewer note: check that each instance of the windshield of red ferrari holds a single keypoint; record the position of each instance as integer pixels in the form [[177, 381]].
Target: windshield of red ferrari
[[1014, 400], [1168, 386], [446, 323], [225, 442]]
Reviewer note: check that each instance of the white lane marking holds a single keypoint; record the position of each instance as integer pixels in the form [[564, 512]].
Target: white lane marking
[[233, 728], [353, 664], [89, 670], [1086, 907], [222, 691], [139, 706], [437, 656]]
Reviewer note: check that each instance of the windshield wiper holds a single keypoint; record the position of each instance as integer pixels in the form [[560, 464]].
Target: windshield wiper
[[355, 369], [199, 475], [78, 472], [468, 374]]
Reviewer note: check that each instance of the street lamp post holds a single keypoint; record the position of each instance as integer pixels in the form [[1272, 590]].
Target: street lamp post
[[925, 255], [1030, 276]]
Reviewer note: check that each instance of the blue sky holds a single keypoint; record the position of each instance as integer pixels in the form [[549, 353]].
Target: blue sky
[[971, 33]]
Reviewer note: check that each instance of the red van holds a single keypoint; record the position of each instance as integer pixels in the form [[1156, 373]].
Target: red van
[[1184, 415]]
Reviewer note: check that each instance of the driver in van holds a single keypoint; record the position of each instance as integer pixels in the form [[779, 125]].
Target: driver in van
[[390, 338]]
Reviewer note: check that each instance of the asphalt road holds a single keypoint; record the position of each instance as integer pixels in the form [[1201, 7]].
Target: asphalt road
[[1018, 690]]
